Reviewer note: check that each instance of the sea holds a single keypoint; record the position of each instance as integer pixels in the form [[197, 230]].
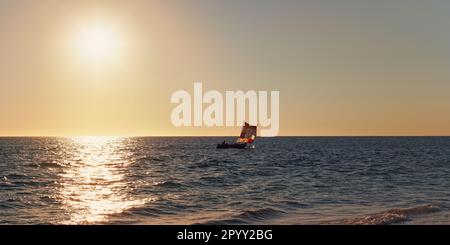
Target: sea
[[186, 180]]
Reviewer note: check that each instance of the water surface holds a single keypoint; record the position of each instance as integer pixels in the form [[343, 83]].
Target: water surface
[[178, 180]]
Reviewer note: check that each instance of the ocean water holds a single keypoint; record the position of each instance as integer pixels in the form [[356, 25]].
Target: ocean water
[[178, 180]]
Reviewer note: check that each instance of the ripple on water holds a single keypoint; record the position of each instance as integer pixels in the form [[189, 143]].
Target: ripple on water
[[294, 180]]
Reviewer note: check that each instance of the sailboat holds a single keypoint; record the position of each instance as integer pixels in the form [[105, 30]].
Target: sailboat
[[246, 139]]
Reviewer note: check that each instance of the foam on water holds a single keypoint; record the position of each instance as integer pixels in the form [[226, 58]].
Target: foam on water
[[391, 216]]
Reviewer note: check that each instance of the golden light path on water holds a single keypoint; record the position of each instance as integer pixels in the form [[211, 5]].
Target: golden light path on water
[[93, 185]]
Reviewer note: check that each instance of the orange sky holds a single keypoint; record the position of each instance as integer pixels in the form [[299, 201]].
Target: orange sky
[[110, 67]]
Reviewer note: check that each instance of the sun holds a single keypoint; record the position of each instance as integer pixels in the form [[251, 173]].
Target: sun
[[97, 43]]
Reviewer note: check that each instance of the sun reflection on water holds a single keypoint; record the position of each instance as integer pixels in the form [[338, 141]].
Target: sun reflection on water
[[93, 185]]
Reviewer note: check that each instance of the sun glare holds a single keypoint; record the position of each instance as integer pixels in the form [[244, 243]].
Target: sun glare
[[97, 43]]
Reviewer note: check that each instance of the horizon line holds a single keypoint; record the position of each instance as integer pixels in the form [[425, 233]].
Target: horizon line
[[212, 136]]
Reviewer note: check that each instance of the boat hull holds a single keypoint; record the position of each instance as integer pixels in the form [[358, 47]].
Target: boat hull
[[231, 146]]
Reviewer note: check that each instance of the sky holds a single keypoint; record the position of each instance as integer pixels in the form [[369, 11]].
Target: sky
[[345, 67]]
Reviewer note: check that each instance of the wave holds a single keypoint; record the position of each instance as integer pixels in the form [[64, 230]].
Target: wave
[[248, 217], [167, 184], [220, 161], [262, 213], [50, 165], [391, 216], [150, 159], [206, 163]]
